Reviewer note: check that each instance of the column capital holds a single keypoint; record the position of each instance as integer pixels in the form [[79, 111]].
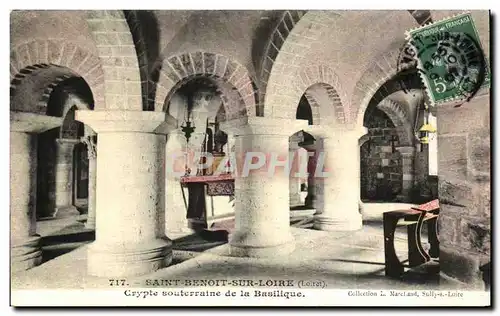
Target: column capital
[[127, 121], [256, 125], [91, 143], [406, 150], [294, 142], [33, 123]]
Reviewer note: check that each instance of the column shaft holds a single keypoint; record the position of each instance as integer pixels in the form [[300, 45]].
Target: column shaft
[[311, 183], [64, 178], [407, 162], [25, 250], [262, 203], [338, 193], [130, 236], [130, 198], [91, 205], [262, 200], [294, 187], [176, 212]]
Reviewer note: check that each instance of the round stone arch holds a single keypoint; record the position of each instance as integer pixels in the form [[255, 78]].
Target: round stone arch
[[286, 23], [292, 55], [119, 55], [383, 69], [232, 103], [48, 63], [236, 85], [312, 82], [401, 120], [407, 79]]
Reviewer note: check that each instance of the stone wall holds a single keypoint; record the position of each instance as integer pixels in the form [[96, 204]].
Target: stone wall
[[381, 168], [464, 189], [46, 184]]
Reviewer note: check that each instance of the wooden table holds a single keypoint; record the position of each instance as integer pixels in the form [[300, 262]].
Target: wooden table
[[200, 187], [413, 219]]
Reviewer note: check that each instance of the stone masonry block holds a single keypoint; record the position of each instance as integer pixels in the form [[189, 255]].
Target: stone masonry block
[[116, 26], [453, 156], [68, 51], [209, 62], [185, 62], [221, 65], [96, 15], [106, 38], [461, 265], [455, 193], [230, 69], [199, 63], [55, 52], [130, 61], [475, 234], [90, 63], [448, 225], [463, 119], [79, 57], [480, 151]]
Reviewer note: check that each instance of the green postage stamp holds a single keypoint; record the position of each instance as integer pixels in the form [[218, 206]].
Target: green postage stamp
[[450, 59]]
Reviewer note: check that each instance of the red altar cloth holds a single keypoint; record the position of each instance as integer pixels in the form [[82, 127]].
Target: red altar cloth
[[205, 179]]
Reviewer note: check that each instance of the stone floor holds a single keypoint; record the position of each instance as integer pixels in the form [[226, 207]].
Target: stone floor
[[340, 259]]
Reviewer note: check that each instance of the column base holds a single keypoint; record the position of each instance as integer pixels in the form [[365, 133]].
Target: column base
[[66, 211], [26, 255], [143, 259], [295, 200], [240, 248], [90, 224], [352, 223]]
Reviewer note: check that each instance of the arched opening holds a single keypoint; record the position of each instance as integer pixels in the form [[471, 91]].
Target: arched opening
[[394, 164], [304, 111], [63, 165], [196, 199], [381, 167], [58, 192]]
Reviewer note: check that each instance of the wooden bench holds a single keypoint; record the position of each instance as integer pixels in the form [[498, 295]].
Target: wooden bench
[[413, 219]]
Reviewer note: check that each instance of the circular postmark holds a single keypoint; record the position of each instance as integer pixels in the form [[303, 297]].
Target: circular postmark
[[451, 63]]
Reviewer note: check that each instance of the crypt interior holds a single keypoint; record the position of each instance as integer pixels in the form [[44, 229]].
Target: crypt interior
[[101, 101]]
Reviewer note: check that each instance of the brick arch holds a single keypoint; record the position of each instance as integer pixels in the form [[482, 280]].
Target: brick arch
[[307, 31], [232, 103], [119, 58], [321, 77], [232, 77], [383, 69], [61, 56], [400, 118], [278, 37]]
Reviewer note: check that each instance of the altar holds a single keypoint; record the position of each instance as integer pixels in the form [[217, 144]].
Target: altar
[[208, 199]]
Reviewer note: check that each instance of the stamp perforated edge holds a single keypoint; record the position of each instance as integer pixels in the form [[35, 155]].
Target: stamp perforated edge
[[408, 35]]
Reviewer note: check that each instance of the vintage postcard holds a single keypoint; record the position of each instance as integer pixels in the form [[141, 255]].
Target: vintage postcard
[[250, 158]]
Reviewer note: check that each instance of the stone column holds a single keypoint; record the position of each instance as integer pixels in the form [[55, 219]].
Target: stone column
[[90, 141], [407, 161], [294, 180], [64, 178], [176, 212], [24, 242], [310, 201], [262, 206], [130, 201], [338, 192]]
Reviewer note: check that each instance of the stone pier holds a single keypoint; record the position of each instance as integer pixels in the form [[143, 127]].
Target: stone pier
[[130, 197], [24, 241]]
